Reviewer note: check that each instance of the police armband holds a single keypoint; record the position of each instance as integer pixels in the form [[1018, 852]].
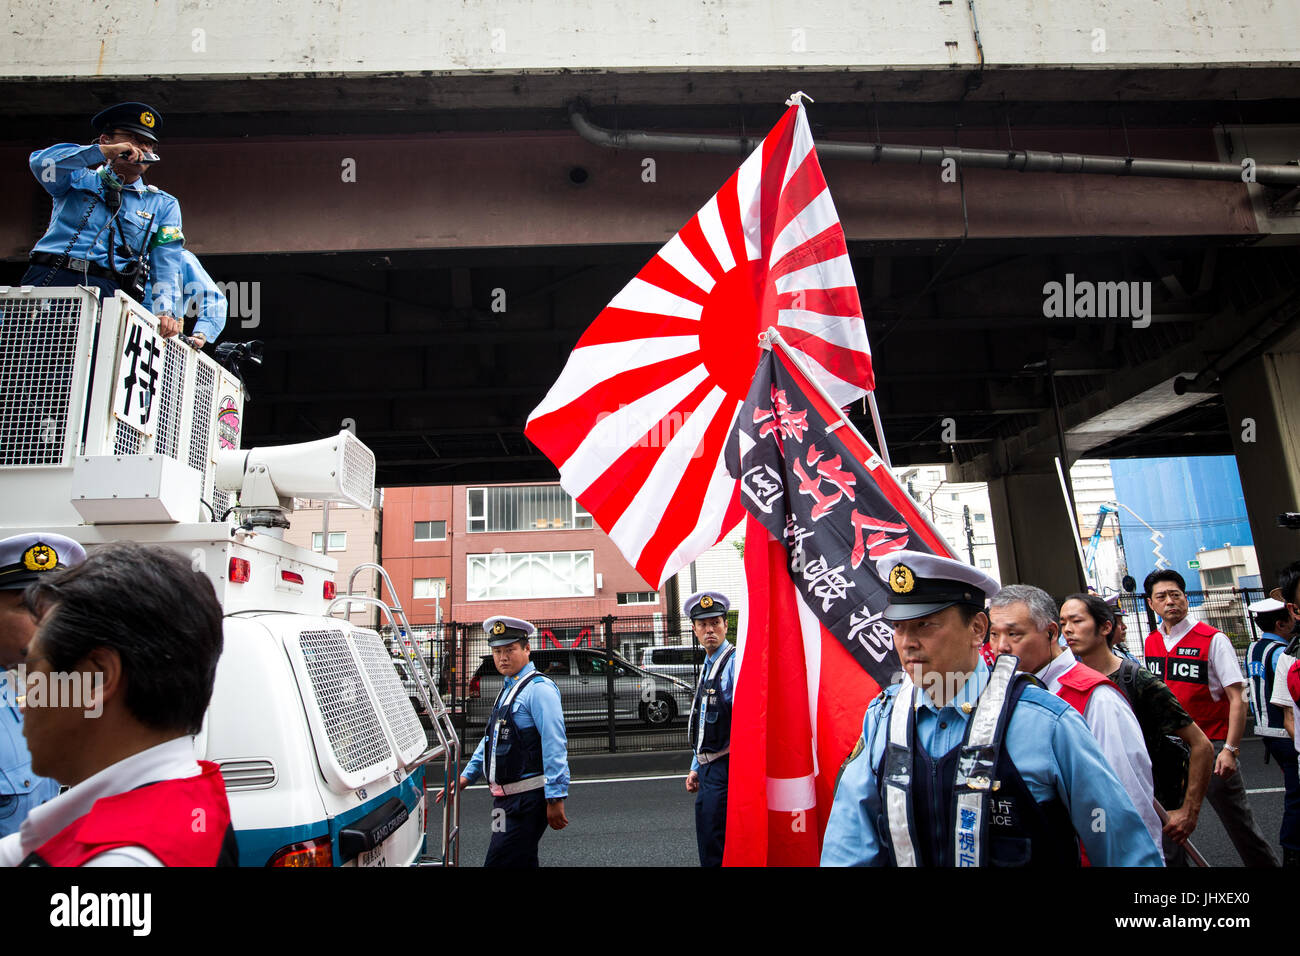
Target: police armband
[[167, 235]]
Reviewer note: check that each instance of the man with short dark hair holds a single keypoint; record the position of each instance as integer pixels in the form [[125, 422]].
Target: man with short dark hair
[[120, 674], [1288, 590], [524, 751], [108, 228], [1024, 621], [1200, 666], [1180, 768]]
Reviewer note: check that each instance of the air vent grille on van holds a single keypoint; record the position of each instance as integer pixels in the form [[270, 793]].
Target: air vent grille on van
[[38, 351], [351, 723], [358, 480], [248, 774], [397, 709]]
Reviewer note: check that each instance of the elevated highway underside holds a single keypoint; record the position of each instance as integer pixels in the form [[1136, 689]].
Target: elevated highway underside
[[425, 272]]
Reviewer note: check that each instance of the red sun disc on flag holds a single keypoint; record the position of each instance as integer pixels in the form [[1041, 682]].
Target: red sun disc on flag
[[638, 420]]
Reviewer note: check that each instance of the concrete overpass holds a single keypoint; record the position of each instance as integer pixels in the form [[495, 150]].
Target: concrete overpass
[[420, 235]]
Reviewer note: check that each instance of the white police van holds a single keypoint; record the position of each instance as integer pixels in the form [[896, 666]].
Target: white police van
[[113, 433]]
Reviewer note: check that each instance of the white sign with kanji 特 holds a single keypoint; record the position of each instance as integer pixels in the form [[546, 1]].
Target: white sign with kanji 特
[[138, 370]]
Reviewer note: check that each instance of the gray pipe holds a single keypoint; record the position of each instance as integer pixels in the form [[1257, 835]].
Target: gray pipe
[[1020, 160]]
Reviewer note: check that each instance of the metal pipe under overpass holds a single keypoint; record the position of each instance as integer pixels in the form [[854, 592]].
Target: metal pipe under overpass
[[1018, 160]]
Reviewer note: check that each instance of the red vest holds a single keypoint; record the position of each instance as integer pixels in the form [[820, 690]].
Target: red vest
[[1077, 685], [161, 817], [1186, 670], [1293, 682]]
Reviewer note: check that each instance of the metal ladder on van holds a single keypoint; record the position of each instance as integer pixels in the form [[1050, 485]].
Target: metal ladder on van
[[448, 746]]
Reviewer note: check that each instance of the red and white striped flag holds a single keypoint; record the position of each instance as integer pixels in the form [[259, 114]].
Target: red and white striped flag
[[823, 507], [638, 420]]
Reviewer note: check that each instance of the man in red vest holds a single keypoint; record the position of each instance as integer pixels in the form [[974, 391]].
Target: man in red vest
[[1200, 666], [119, 675], [1024, 622]]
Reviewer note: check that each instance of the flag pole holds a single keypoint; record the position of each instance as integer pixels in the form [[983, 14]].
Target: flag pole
[[1074, 523], [772, 336], [880, 429]]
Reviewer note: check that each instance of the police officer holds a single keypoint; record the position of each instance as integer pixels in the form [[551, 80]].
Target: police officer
[[963, 765], [710, 724], [205, 298], [23, 559], [523, 753], [1262, 657], [108, 228]]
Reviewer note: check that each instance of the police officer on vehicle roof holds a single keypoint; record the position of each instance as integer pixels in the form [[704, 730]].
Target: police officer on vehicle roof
[[23, 559], [523, 753], [108, 228], [963, 765], [710, 723]]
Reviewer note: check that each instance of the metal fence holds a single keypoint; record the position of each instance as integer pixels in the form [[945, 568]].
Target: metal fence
[[1224, 610], [612, 704]]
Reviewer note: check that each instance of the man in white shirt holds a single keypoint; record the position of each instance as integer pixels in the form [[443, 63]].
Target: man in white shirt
[[1024, 622], [1199, 664], [120, 673]]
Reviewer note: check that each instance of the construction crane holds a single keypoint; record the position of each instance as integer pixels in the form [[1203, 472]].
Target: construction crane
[[1090, 556], [1106, 511]]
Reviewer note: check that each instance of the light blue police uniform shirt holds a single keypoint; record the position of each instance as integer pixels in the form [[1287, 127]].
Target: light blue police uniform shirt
[[1052, 749], [20, 789], [64, 172], [538, 705], [726, 680], [198, 287]]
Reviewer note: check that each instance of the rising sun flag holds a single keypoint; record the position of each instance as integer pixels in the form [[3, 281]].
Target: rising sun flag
[[638, 420]]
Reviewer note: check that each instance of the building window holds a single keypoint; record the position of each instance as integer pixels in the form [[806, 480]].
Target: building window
[[431, 531], [338, 541], [540, 574], [428, 588], [982, 539], [638, 597], [1217, 577], [524, 508], [979, 516], [985, 563]]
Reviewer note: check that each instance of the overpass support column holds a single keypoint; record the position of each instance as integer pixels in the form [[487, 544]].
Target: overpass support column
[[1035, 537], [1262, 397]]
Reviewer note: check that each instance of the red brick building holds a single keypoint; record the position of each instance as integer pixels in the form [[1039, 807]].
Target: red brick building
[[529, 551]]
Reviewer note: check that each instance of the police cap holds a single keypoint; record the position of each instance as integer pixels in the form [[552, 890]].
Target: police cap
[[25, 557], [502, 630], [1266, 606], [136, 117], [703, 604], [920, 584]]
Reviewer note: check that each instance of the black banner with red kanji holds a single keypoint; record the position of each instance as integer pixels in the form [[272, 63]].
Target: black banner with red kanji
[[821, 490]]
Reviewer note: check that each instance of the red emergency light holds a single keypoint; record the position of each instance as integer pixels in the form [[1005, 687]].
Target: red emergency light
[[240, 571]]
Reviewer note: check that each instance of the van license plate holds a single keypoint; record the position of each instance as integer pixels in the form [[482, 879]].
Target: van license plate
[[375, 857]]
